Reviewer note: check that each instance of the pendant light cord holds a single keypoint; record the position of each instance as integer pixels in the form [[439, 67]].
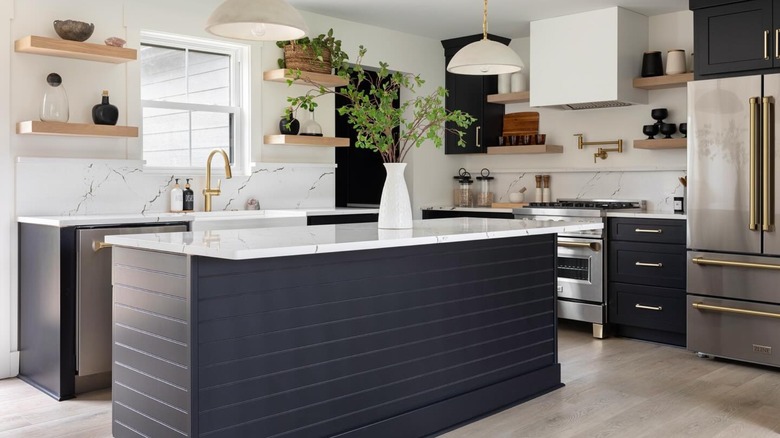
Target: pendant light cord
[[484, 22]]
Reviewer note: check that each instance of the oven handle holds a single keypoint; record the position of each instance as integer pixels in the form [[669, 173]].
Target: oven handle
[[702, 306], [594, 246]]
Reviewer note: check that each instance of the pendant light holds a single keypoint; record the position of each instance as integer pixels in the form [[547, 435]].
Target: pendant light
[[485, 57], [259, 20]]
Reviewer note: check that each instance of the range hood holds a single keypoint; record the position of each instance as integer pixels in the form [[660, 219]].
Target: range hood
[[588, 60]]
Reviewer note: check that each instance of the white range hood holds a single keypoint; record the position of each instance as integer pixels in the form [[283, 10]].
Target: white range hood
[[588, 60]]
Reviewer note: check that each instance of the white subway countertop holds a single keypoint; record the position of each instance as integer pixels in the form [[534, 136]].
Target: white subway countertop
[[289, 241], [135, 218]]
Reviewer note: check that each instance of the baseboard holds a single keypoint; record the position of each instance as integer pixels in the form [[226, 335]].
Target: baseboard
[[11, 367]]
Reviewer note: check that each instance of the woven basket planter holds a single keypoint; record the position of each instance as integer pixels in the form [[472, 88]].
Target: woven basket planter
[[298, 58]]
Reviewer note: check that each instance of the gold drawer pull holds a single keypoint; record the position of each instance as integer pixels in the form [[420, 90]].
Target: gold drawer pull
[[702, 306], [654, 308], [650, 265], [644, 230], [595, 246], [97, 246], [709, 262]]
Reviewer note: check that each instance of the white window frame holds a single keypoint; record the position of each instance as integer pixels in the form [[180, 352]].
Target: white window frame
[[240, 99]]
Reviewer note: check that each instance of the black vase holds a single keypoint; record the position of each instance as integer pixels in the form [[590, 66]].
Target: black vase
[[104, 113], [652, 64], [295, 126]]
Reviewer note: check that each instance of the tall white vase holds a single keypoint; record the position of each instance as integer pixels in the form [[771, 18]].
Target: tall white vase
[[395, 209]]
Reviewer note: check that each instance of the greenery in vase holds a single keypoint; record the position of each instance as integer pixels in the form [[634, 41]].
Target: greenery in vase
[[371, 113], [318, 45]]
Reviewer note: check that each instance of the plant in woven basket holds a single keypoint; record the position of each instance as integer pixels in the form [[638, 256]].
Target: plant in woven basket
[[319, 55], [370, 110]]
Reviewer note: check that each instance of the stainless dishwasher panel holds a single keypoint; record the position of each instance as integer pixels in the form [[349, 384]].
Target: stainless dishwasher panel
[[93, 295]]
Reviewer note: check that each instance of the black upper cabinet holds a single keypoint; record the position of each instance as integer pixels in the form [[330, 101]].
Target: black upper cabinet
[[469, 93], [735, 38]]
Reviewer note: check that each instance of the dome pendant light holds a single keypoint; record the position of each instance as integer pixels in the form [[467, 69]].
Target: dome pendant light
[[258, 20], [485, 57]]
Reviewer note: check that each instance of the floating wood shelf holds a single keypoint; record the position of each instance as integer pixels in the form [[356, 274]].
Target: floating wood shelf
[[530, 149], [662, 143], [505, 98], [282, 75], [665, 81], [75, 129], [307, 140], [73, 49]]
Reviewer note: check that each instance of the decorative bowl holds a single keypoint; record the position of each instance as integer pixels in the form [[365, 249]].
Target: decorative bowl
[[73, 30], [650, 131], [115, 42], [659, 114], [668, 129], [684, 129]]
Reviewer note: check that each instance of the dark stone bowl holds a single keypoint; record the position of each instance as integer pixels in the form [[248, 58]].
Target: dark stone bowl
[[73, 30], [650, 131]]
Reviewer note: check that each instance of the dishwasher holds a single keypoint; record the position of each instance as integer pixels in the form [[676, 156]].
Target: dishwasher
[[93, 294]]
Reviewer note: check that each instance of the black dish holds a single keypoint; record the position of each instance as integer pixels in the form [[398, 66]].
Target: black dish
[[684, 129], [659, 114], [650, 131], [668, 129]]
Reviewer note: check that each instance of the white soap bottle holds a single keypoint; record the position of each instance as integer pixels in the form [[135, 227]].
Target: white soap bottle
[[177, 198]]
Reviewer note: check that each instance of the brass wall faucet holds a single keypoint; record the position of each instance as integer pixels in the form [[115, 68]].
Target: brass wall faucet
[[208, 192], [602, 153]]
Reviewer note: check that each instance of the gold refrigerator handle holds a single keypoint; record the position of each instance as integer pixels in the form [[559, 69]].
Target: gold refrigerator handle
[[753, 185], [702, 306], [767, 110], [732, 264]]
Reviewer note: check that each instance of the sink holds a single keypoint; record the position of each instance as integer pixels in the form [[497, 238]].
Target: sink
[[229, 220]]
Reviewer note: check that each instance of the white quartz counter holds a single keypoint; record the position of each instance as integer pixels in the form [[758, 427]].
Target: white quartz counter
[[117, 219], [288, 241]]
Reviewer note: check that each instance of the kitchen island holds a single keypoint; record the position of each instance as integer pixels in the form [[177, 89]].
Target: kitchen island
[[332, 330]]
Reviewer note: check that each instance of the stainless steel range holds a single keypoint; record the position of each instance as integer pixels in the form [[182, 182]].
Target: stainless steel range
[[582, 255]]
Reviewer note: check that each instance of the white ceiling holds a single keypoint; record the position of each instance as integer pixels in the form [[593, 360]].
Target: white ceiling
[[443, 19]]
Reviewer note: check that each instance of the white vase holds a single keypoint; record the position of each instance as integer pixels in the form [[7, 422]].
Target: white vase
[[504, 81], [395, 209], [517, 82]]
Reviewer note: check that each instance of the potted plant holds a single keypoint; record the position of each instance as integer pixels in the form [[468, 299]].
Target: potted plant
[[371, 113], [319, 55]]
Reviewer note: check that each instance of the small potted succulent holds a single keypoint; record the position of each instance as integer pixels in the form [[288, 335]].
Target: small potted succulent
[[320, 54]]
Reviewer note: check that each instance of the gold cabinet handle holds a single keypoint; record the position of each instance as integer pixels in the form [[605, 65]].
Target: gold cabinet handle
[[97, 246], [702, 306], [777, 43], [649, 265], [644, 230], [478, 129], [594, 246], [732, 264], [766, 177], [654, 308], [753, 186], [766, 45]]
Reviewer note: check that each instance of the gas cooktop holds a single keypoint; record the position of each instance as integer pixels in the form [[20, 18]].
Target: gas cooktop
[[603, 204]]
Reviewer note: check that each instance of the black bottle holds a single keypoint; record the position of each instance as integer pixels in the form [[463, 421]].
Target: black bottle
[[104, 113], [295, 126], [189, 197]]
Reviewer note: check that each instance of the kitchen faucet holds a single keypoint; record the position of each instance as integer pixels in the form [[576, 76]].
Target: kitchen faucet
[[208, 192]]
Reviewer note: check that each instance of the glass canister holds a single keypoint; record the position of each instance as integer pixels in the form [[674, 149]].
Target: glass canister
[[54, 107], [485, 195], [462, 194], [310, 126]]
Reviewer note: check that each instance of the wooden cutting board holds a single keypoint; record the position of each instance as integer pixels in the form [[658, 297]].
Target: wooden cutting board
[[524, 123], [509, 204]]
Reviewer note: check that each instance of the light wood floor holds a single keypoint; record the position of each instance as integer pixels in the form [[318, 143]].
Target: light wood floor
[[614, 388]]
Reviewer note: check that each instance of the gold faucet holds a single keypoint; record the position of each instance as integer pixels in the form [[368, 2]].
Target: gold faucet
[[208, 192]]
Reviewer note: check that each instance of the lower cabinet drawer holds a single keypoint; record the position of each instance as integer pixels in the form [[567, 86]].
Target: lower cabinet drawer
[[647, 307], [647, 264]]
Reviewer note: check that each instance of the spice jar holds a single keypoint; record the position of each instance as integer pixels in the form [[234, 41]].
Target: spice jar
[[538, 197], [485, 196], [546, 189]]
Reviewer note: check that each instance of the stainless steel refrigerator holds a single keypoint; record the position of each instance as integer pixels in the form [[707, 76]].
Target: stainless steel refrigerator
[[733, 286]]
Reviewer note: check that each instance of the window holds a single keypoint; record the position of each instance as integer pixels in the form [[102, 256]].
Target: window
[[193, 101]]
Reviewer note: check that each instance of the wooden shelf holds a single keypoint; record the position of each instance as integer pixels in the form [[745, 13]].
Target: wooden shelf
[[282, 75], [665, 81], [39, 45], [662, 143], [306, 140], [517, 97], [35, 127], [530, 149]]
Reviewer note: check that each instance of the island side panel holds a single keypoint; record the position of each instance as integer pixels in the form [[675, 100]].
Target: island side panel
[[151, 374], [370, 343]]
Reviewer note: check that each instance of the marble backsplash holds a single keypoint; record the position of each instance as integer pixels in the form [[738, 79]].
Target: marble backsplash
[[658, 188], [69, 187]]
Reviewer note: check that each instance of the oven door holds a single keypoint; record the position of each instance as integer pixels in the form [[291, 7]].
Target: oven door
[[580, 269]]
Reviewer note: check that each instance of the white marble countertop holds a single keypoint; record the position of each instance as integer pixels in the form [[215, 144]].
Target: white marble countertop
[[288, 241], [472, 209], [133, 218]]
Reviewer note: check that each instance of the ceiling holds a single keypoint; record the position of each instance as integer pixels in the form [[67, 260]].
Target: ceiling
[[443, 19]]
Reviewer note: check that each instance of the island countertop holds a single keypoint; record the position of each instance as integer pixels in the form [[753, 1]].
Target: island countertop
[[257, 243]]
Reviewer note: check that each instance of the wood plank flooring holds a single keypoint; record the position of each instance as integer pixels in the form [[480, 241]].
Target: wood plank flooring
[[614, 388]]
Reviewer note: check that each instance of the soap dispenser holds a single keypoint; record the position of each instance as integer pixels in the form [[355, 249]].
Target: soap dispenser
[[189, 197], [177, 198]]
